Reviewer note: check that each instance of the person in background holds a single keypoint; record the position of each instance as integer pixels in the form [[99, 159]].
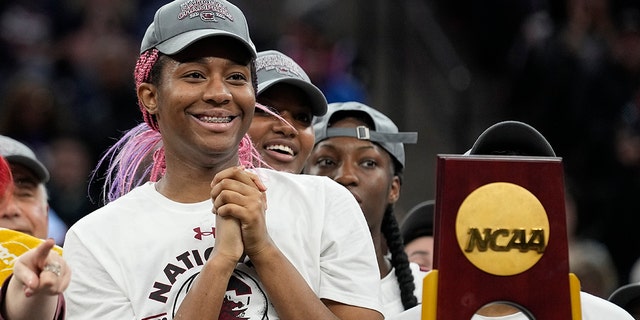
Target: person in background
[[30, 209], [361, 148], [589, 259], [417, 234], [209, 235], [70, 163], [23, 160], [287, 102], [32, 281]]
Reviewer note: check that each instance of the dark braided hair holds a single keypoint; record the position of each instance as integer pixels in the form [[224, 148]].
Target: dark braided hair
[[399, 259], [395, 244]]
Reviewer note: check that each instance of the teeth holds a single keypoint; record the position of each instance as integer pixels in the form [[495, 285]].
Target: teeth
[[280, 148], [215, 119]]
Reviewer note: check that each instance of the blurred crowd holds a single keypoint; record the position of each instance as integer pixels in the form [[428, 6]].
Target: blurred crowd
[[67, 89], [569, 68], [579, 84]]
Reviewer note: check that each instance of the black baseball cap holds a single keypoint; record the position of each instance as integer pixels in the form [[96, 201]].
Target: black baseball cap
[[625, 294], [514, 136], [418, 222]]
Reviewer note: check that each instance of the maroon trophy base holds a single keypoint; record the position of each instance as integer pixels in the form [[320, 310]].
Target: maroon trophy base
[[543, 289]]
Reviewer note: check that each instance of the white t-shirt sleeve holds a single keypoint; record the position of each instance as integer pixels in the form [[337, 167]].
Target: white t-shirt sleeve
[[347, 260], [92, 294]]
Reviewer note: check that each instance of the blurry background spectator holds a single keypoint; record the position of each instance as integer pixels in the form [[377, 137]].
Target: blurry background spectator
[[417, 233], [70, 163], [589, 259]]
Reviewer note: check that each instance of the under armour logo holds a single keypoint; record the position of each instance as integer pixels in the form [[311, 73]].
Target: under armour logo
[[200, 233]]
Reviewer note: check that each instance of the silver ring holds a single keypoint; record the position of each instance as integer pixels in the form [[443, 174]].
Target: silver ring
[[55, 268]]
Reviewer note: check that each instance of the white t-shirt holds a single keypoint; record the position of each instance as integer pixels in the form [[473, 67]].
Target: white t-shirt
[[593, 308], [390, 290], [136, 257]]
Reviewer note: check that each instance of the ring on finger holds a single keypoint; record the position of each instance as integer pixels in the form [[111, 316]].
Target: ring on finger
[[55, 268]]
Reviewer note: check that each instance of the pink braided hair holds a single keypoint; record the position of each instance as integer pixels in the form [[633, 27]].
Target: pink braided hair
[[142, 74]]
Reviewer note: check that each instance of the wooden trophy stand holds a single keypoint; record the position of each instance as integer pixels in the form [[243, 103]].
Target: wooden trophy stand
[[500, 236]]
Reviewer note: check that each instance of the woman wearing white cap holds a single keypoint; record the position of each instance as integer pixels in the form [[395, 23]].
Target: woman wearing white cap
[[277, 245]]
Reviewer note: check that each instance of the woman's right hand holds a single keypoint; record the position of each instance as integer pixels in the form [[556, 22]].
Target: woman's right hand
[[227, 233]]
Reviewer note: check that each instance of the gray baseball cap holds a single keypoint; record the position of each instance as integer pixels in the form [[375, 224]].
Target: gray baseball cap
[[16, 152], [385, 132], [180, 23], [514, 137], [275, 67]]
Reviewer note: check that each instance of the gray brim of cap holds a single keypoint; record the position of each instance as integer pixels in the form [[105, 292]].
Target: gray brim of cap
[[40, 171], [623, 295], [316, 97], [183, 40]]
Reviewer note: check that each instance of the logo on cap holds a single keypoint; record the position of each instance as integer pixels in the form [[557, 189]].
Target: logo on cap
[[279, 64], [502, 228], [208, 10]]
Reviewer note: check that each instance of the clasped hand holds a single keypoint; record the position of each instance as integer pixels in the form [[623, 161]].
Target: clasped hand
[[240, 202]]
